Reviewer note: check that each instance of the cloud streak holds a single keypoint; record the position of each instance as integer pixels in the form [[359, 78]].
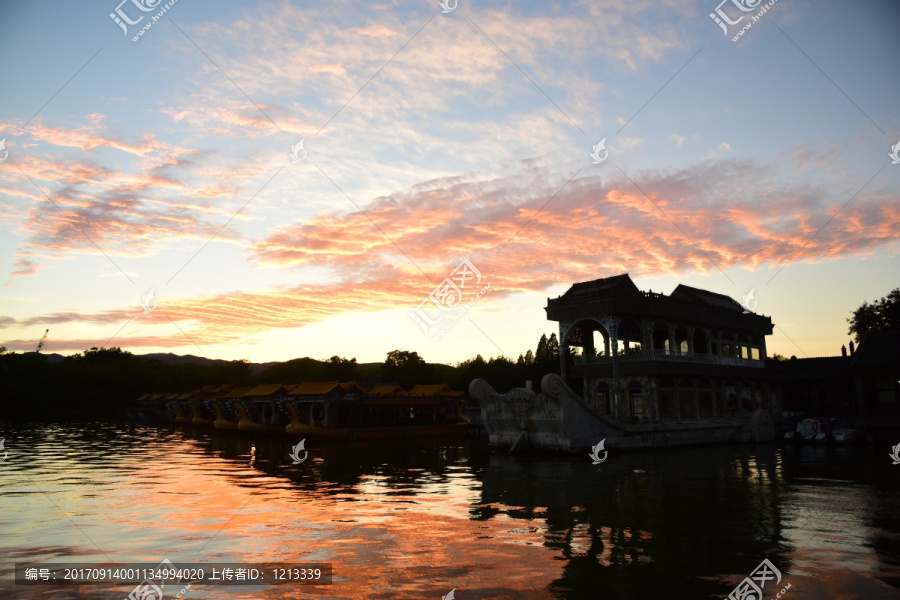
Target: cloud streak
[[598, 225]]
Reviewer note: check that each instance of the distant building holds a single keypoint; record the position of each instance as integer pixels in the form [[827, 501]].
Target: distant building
[[875, 368], [816, 387]]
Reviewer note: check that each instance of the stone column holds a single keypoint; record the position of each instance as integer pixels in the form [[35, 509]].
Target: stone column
[[562, 353], [617, 394], [676, 387], [696, 397]]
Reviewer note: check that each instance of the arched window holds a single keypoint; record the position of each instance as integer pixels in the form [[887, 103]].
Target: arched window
[[756, 349], [661, 337], [681, 340], [686, 393], [701, 342], [705, 398], [604, 398], [665, 393], [629, 334], [728, 350], [635, 398]]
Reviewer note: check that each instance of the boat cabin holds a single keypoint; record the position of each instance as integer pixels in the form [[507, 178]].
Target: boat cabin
[[262, 404]]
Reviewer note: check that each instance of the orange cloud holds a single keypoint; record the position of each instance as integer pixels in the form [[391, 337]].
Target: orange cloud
[[594, 226]]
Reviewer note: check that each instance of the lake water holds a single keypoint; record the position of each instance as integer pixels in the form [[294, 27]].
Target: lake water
[[415, 519]]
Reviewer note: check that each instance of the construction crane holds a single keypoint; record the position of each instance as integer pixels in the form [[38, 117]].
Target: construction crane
[[41, 343]]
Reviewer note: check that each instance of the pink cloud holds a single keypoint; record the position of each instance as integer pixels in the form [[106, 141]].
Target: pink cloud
[[594, 227]]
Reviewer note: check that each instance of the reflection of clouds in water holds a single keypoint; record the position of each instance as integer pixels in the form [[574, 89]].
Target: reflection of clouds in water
[[402, 519]]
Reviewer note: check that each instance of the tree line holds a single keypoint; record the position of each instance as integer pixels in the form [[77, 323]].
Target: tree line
[[94, 383], [98, 382]]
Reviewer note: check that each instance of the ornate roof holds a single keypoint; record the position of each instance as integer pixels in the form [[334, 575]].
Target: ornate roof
[[696, 295], [878, 350], [314, 388], [617, 285], [265, 390], [441, 389], [619, 296], [386, 390]]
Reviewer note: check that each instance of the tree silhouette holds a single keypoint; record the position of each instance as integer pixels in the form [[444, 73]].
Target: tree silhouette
[[406, 369], [881, 315], [338, 368]]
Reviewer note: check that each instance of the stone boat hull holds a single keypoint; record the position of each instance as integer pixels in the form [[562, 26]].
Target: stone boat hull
[[559, 420]]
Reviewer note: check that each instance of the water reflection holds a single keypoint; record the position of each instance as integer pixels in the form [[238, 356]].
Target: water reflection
[[413, 519]]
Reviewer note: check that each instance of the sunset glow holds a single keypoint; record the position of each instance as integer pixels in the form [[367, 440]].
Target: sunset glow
[[164, 164]]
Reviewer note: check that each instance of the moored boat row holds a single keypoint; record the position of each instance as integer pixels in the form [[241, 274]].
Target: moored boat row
[[329, 410]]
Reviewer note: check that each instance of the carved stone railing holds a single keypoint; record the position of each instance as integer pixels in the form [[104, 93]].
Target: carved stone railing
[[689, 357]]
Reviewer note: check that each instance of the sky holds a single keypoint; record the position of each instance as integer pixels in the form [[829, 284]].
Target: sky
[[272, 180]]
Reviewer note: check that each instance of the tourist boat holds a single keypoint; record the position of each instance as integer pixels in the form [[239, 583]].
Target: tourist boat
[[180, 407], [227, 416], [221, 421], [201, 414], [318, 410], [148, 408], [846, 435], [259, 409], [809, 431], [655, 371], [333, 410], [830, 431], [180, 417]]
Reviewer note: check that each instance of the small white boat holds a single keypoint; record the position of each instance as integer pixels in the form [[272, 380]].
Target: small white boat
[[808, 430], [846, 435]]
